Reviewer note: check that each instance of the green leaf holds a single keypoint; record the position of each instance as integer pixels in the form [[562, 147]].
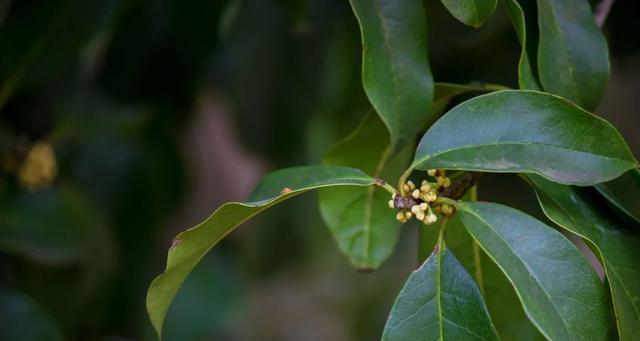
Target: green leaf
[[526, 76], [398, 82], [439, 301], [191, 245], [559, 290], [395, 65], [624, 193], [526, 131], [618, 246], [573, 60], [502, 301], [364, 230], [471, 12]]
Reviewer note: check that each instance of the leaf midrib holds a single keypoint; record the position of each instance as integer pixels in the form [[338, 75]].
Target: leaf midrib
[[440, 246], [394, 77]]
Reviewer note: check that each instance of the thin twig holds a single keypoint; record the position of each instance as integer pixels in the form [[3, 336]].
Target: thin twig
[[602, 11]]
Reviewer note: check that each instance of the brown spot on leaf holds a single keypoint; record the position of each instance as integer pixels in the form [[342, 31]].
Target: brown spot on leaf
[[175, 243], [286, 190]]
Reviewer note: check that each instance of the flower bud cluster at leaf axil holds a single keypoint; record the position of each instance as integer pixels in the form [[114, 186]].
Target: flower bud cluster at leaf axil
[[422, 202]]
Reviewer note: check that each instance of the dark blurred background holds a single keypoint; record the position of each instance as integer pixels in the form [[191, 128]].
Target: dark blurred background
[[125, 122]]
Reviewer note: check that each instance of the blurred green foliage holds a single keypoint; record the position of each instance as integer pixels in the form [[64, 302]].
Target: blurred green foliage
[[112, 85]]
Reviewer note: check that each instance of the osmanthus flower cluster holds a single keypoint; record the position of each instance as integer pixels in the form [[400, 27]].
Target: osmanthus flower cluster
[[422, 202], [541, 282]]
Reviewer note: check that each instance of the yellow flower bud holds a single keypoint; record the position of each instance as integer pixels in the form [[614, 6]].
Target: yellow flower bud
[[446, 209], [416, 209], [391, 204], [39, 168], [446, 183], [411, 185], [430, 219], [424, 182], [401, 217], [415, 194], [420, 216], [423, 206], [406, 188], [408, 215], [431, 196], [425, 188], [432, 172]]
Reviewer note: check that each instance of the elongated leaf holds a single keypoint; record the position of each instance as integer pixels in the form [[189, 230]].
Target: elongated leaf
[[502, 301], [191, 245], [526, 131], [573, 60], [364, 230], [527, 79], [618, 246], [559, 290], [624, 193], [395, 65], [439, 301], [471, 12]]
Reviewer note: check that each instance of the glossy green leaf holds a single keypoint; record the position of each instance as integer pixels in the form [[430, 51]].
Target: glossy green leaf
[[573, 60], [439, 301], [501, 299], [559, 290], [527, 79], [471, 12], [395, 65], [191, 245], [624, 193], [526, 131], [618, 246], [357, 216]]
